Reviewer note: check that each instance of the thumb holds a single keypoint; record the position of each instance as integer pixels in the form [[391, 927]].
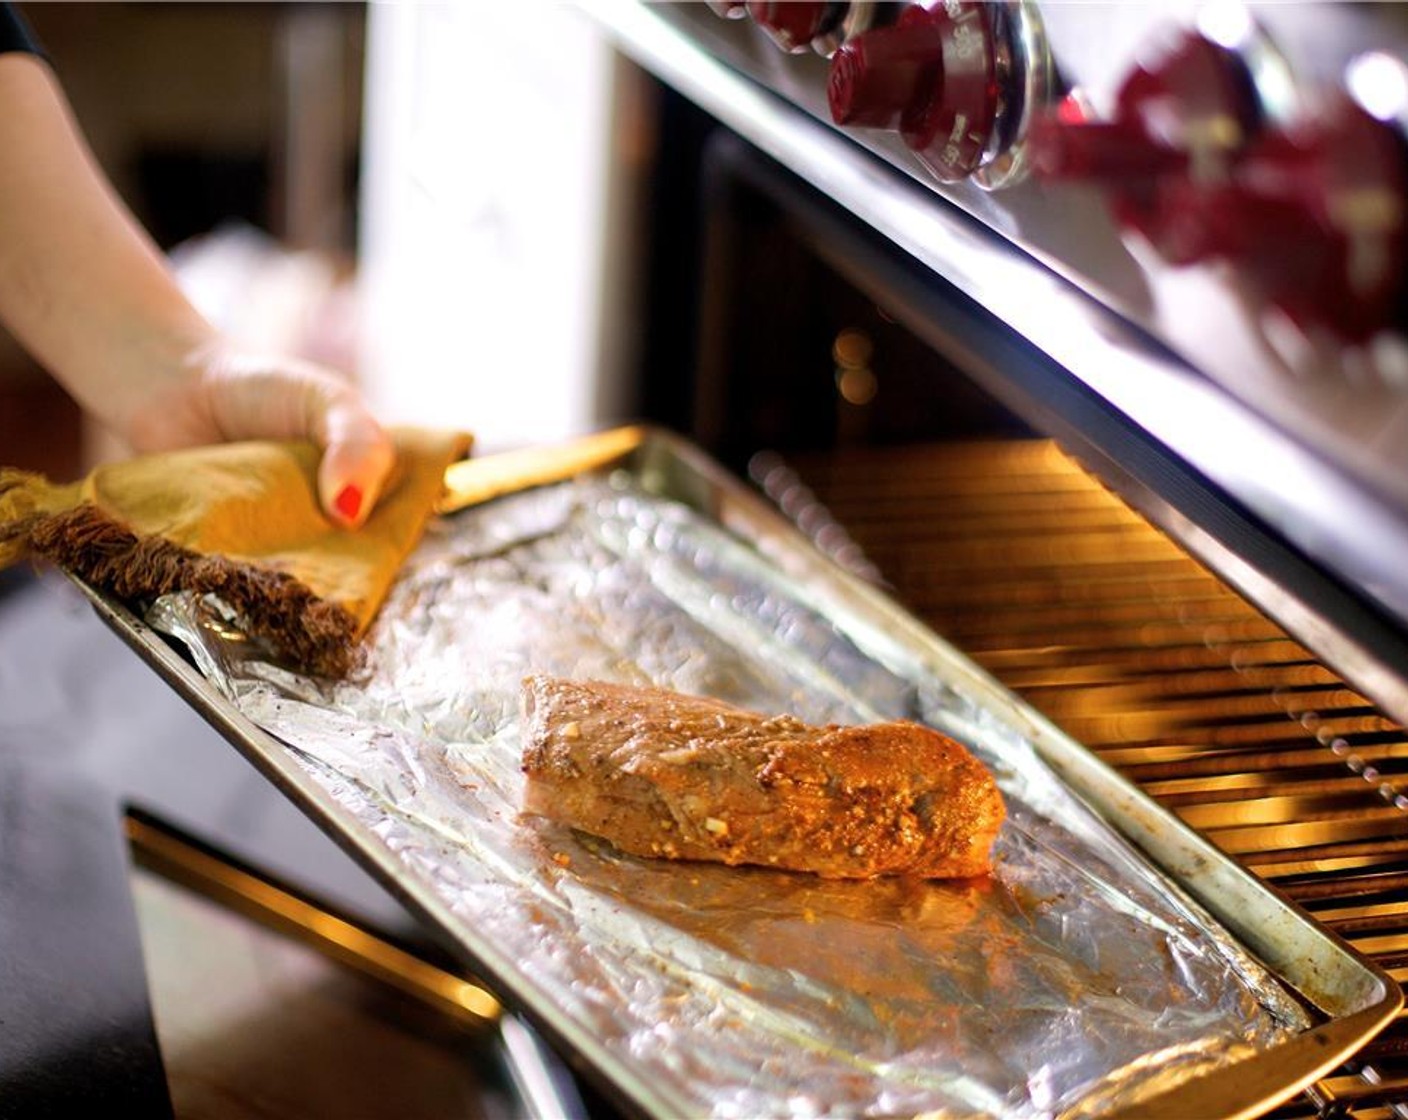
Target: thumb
[[357, 458]]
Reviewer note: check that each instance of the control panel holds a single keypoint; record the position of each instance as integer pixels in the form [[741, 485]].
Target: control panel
[[1212, 152], [938, 76]]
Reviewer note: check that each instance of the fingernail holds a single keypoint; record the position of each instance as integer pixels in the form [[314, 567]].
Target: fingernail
[[348, 502]]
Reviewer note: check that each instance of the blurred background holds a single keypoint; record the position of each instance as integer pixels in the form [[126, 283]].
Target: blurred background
[[370, 186]]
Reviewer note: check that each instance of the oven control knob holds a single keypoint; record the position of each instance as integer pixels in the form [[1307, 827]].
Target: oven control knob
[[1315, 219], [937, 75], [793, 24], [1180, 120], [729, 9]]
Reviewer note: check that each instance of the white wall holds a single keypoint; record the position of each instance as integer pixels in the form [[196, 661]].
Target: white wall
[[483, 216]]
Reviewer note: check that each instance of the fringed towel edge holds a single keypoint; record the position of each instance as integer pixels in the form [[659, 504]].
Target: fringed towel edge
[[315, 635]]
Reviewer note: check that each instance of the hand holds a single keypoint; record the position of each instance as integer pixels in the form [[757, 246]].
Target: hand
[[228, 394], [86, 291]]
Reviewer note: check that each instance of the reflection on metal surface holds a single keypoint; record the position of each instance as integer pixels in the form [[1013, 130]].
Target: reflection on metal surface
[[1011, 550], [181, 861], [759, 611], [855, 380], [539, 1080], [780, 483], [1379, 82], [813, 981], [1032, 61], [706, 542], [1232, 432]]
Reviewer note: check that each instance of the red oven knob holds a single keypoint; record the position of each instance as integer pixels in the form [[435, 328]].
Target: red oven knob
[[793, 24], [934, 76], [1315, 218], [1180, 120]]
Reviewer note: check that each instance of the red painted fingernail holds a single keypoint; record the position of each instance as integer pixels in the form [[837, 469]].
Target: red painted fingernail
[[348, 501]]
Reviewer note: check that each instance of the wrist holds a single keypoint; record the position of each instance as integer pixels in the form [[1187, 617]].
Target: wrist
[[168, 403]]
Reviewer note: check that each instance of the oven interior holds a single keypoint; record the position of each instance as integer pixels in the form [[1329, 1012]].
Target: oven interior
[[925, 448], [928, 449]]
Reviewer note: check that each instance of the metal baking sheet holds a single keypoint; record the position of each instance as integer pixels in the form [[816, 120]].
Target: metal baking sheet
[[1114, 961]]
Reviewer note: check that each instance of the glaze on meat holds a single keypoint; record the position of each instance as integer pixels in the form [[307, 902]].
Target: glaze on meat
[[658, 773]]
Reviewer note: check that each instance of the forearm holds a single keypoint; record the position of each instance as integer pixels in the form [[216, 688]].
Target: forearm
[[86, 291], [81, 285]]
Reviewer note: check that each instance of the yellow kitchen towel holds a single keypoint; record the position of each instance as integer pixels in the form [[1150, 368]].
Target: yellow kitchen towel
[[241, 521]]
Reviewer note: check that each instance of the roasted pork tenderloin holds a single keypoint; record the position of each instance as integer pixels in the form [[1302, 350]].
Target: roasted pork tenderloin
[[661, 774]]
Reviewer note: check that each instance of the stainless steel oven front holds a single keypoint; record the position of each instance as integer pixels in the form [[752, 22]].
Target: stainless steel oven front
[[1080, 328]]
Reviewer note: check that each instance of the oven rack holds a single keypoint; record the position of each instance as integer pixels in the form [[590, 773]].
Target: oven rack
[[1014, 553]]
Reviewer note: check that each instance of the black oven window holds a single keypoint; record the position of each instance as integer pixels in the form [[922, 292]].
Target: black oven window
[[762, 338]]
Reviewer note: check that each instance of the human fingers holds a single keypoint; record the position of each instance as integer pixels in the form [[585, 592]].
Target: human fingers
[[251, 396], [357, 460]]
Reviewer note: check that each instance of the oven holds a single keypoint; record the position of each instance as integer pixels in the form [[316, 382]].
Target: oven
[[1035, 316], [1107, 392]]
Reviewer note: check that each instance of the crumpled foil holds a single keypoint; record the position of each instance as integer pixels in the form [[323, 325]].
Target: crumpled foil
[[1075, 979]]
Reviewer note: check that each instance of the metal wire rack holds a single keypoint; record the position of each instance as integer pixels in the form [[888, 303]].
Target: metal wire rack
[[1013, 552]]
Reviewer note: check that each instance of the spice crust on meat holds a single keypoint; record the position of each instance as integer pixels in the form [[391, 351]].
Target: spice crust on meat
[[662, 774]]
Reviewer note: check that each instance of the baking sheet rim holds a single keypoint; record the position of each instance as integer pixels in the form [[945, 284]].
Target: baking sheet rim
[[1153, 830]]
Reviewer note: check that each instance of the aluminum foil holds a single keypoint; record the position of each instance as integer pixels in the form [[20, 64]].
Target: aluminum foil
[[1073, 980]]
